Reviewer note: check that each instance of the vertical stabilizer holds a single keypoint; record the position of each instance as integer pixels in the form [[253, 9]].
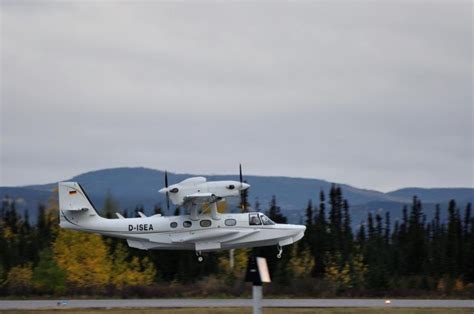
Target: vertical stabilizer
[[74, 204]]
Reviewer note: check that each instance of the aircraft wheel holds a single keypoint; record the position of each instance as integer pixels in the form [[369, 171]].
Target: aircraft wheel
[[200, 259]]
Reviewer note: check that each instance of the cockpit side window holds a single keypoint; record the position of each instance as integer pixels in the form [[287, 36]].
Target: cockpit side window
[[266, 220], [254, 220]]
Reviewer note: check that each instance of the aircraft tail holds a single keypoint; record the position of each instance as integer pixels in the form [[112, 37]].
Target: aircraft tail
[[74, 205]]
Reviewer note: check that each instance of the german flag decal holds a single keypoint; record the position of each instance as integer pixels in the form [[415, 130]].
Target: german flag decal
[[72, 192]]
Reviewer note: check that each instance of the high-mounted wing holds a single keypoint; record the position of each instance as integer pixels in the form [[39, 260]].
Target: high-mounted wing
[[199, 199]]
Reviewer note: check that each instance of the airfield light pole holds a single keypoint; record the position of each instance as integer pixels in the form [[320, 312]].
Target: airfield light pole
[[257, 299], [257, 273]]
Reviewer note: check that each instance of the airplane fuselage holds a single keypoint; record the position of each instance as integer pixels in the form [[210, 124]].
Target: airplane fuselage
[[232, 230]]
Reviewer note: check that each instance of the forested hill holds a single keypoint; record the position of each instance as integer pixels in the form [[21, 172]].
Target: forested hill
[[133, 187]]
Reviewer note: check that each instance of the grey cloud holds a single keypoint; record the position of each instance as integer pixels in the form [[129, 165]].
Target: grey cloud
[[373, 94]]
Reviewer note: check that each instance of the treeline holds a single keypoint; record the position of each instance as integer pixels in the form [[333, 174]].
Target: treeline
[[407, 257], [411, 254]]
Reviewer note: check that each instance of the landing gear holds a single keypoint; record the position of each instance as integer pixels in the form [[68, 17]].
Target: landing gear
[[280, 251], [199, 256]]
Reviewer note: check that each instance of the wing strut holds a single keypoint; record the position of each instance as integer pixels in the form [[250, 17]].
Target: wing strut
[[214, 213], [193, 213]]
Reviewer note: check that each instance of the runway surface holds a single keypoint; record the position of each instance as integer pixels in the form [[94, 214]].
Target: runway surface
[[281, 303]]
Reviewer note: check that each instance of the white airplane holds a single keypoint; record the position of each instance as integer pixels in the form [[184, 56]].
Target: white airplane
[[197, 231]]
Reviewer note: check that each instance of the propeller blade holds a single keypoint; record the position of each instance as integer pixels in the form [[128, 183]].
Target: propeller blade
[[242, 192], [167, 194], [240, 172]]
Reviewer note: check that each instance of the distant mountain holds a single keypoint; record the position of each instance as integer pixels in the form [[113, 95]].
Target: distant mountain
[[134, 187], [435, 195]]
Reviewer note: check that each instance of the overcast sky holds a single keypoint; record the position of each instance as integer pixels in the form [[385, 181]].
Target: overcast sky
[[373, 94]]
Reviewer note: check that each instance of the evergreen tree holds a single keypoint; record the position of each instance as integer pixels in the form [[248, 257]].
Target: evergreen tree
[[320, 238], [274, 212], [10, 253], [361, 237], [47, 276], [416, 245], [309, 215], [469, 247], [347, 237], [111, 206], [387, 228], [335, 219], [376, 255], [453, 244], [467, 220], [309, 238]]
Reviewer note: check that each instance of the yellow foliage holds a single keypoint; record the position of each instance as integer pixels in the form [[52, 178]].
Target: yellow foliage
[[458, 285], [19, 278], [8, 233], [441, 286], [340, 276], [359, 270], [348, 275], [240, 262], [301, 264], [84, 258], [131, 273], [221, 207]]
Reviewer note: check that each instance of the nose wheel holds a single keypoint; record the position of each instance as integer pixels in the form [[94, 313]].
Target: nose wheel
[[199, 256], [280, 251]]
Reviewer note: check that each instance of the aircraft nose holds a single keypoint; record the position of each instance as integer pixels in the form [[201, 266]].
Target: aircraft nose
[[299, 232], [300, 228]]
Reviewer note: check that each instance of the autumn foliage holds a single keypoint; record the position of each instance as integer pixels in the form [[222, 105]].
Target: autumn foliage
[[407, 257]]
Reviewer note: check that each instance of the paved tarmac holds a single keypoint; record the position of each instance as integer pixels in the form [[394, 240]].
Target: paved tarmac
[[282, 303]]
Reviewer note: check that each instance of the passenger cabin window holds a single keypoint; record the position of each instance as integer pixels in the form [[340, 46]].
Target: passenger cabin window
[[205, 223], [187, 224], [174, 224], [254, 220], [266, 220], [230, 222]]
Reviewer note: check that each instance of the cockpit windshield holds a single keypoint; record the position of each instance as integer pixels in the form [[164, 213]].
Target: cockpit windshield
[[266, 220], [254, 220]]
